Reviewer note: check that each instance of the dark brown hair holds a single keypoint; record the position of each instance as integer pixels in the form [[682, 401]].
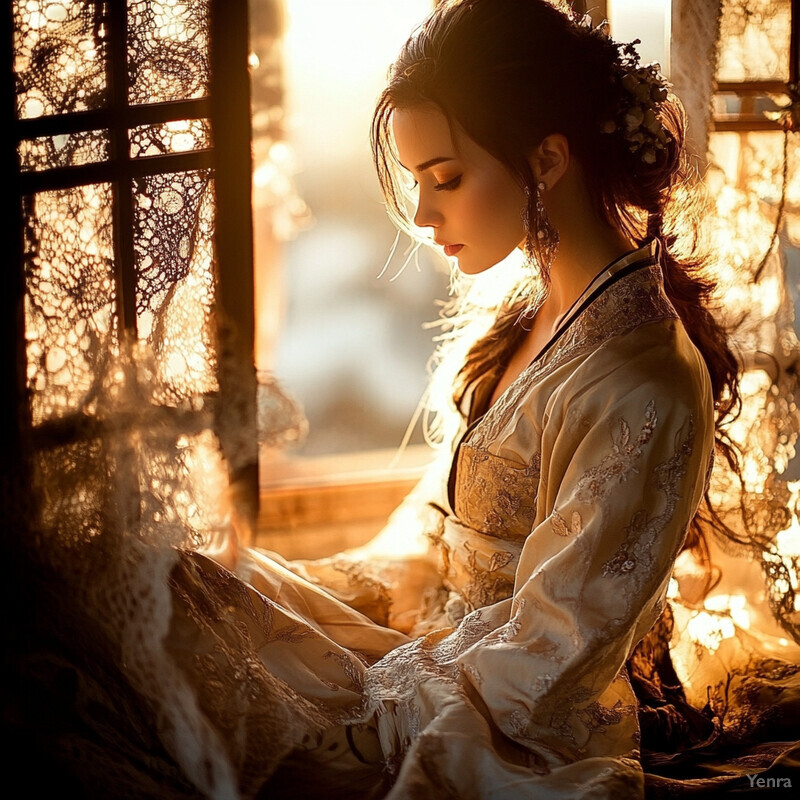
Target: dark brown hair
[[510, 72]]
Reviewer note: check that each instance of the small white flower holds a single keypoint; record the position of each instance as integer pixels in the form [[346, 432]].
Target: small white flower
[[634, 118]]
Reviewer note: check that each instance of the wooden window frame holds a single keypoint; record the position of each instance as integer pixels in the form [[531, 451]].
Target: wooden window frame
[[319, 506], [227, 107], [748, 91]]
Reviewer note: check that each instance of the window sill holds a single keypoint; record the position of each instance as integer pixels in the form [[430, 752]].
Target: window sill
[[312, 507]]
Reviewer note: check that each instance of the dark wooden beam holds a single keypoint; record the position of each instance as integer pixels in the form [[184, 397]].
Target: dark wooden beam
[[13, 358], [235, 301], [124, 254], [742, 125], [751, 87], [114, 172], [103, 119]]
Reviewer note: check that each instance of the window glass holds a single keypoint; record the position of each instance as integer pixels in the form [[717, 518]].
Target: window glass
[[345, 337]]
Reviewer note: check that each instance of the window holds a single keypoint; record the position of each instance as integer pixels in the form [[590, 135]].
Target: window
[[350, 348], [349, 345], [130, 184]]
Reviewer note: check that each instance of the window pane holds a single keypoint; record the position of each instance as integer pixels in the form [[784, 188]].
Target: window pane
[[59, 56], [167, 50], [63, 150], [175, 279], [754, 40], [650, 22], [180, 136], [746, 180], [352, 347], [70, 320]]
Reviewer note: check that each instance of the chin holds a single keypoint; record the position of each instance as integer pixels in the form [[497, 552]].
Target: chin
[[470, 267]]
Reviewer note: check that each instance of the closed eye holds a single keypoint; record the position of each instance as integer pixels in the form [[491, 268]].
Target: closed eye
[[448, 185]]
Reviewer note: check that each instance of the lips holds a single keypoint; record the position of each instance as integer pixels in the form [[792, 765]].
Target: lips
[[452, 249]]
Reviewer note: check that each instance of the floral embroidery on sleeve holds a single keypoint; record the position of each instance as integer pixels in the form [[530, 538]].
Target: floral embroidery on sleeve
[[596, 482], [643, 529]]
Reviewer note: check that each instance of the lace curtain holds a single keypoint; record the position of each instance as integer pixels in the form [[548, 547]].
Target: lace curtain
[[753, 176], [134, 380], [745, 139]]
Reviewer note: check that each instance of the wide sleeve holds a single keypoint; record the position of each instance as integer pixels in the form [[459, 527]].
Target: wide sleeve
[[529, 697]]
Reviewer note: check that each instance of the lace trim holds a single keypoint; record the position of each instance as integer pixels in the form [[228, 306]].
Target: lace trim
[[398, 675], [237, 623]]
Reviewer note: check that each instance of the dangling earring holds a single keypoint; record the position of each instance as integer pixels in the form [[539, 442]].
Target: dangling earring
[[541, 238]]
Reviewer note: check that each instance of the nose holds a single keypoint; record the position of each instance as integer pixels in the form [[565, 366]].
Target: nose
[[427, 215]]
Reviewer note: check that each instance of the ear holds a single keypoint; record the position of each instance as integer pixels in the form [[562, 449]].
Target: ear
[[550, 159]]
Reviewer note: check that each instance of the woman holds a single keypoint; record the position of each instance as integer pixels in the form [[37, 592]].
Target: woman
[[494, 663]]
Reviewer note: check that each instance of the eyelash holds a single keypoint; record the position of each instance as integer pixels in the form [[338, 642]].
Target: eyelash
[[453, 183], [448, 185]]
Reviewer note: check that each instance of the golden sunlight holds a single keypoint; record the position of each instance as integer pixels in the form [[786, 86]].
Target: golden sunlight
[[787, 543], [336, 57], [646, 20], [710, 629]]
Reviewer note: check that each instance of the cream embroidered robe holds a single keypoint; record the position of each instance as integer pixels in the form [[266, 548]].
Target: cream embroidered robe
[[571, 499], [568, 504]]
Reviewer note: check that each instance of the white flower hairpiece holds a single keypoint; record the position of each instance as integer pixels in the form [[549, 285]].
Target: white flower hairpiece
[[636, 118]]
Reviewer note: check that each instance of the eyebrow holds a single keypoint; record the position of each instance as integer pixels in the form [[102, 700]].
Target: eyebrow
[[433, 162]]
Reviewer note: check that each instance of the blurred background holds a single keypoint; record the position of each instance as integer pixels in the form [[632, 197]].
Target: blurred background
[[343, 330]]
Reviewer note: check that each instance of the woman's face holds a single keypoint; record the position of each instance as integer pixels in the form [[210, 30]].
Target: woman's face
[[468, 197]]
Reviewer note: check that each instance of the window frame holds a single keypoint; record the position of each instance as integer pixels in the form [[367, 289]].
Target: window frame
[[747, 91], [227, 107]]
